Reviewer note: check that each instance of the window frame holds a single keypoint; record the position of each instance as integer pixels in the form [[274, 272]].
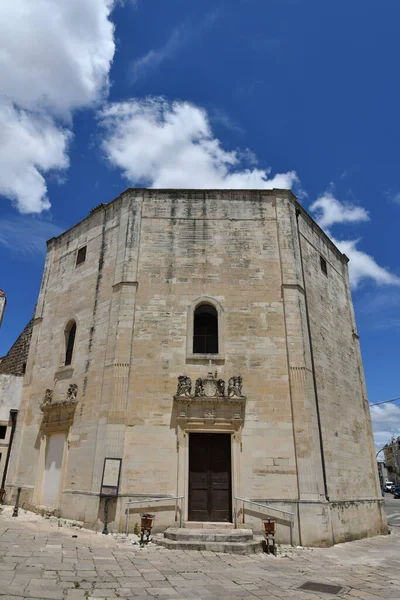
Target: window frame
[[323, 263], [67, 332], [199, 357], [203, 334], [77, 255]]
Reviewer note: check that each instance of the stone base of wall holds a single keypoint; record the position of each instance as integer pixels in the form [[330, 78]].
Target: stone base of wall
[[317, 524], [356, 519]]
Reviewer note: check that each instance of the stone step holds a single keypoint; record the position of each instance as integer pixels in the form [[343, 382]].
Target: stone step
[[208, 535], [207, 525], [250, 547], [235, 541]]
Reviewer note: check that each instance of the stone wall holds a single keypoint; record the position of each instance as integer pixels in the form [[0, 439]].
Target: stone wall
[[12, 367], [10, 394], [347, 442], [151, 256]]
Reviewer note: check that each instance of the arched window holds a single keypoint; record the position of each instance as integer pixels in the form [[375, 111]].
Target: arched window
[[205, 330], [70, 333]]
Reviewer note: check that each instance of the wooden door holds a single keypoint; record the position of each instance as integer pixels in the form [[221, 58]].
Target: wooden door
[[210, 496]]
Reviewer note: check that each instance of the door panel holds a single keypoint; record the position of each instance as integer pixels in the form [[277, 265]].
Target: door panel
[[210, 477], [53, 466]]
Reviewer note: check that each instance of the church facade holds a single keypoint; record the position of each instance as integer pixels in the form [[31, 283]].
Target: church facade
[[200, 347]]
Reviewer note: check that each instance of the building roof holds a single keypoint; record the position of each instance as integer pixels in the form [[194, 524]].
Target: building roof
[[14, 362]]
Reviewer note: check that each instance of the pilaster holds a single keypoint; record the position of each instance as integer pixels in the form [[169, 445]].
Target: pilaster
[[115, 385], [302, 390]]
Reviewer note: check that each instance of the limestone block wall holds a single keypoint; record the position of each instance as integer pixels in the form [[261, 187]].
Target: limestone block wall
[[84, 293], [223, 246], [347, 441], [151, 256]]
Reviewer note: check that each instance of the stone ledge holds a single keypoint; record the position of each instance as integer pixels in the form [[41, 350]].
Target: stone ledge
[[208, 535], [250, 547]]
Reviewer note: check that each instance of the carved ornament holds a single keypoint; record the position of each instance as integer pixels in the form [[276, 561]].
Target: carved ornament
[[209, 388], [69, 401]]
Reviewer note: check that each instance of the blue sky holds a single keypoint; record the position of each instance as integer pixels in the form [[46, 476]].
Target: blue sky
[[96, 96]]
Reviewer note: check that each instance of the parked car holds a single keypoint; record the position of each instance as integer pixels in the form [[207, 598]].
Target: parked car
[[388, 486], [396, 491]]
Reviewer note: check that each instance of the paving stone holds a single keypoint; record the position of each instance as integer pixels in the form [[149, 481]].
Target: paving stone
[[368, 569]]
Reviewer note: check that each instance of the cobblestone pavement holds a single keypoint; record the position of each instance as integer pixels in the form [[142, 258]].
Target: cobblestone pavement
[[40, 560]]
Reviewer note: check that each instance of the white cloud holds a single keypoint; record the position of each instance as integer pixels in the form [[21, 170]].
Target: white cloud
[[182, 35], [378, 309], [54, 53], [55, 58], [171, 145], [30, 144], [385, 423], [27, 236], [364, 266], [396, 198], [154, 58], [328, 211]]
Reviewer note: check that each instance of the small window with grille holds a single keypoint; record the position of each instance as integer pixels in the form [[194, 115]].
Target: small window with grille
[[324, 266], [81, 256]]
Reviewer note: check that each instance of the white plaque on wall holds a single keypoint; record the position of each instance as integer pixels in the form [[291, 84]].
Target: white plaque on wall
[[111, 476]]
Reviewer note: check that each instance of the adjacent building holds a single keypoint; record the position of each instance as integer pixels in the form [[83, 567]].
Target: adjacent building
[[12, 369], [392, 459], [198, 345]]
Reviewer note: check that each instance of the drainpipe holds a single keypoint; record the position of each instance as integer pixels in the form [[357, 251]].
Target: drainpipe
[[321, 443], [13, 415]]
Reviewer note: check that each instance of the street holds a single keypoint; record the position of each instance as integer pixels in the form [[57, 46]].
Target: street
[[392, 506], [52, 559]]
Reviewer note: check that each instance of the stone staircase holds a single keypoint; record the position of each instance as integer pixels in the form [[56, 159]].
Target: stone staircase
[[214, 539]]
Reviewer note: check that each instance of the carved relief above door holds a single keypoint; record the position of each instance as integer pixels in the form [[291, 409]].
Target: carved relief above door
[[212, 401]]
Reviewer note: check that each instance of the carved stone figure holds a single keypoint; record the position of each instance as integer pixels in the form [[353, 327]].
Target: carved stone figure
[[48, 397], [199, 390], [209, 387], [209, 414], [184, 386], [72, 392], [235, 387]]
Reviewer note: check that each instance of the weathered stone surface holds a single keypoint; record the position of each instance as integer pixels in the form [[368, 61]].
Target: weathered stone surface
[[301, 439], [366, 569], [234, 541]]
